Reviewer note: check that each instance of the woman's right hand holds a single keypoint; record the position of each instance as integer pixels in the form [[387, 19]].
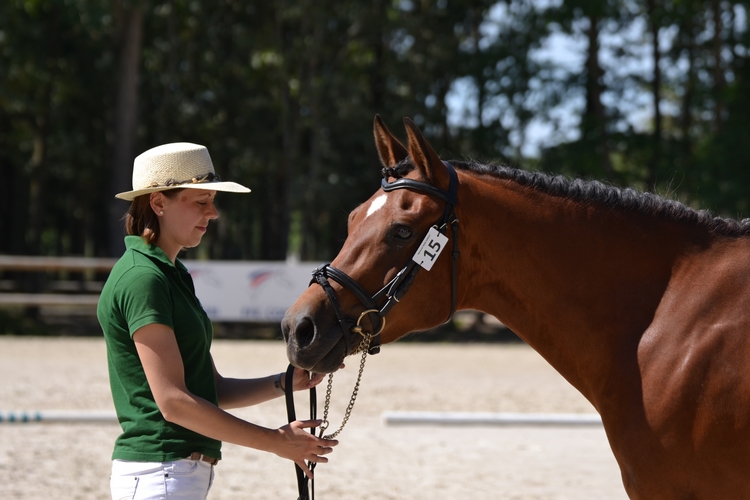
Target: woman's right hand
[[299, 445]]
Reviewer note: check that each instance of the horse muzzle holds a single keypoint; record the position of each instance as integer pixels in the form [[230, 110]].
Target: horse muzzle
[[313, 345]]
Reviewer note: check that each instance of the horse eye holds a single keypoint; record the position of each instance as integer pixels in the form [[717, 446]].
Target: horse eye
[[403, 233]]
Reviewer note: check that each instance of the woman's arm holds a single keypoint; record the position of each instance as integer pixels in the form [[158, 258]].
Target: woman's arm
[[238, 393], [160, 356]]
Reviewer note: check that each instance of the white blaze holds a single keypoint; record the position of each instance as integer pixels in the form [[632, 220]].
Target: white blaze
[[376, 205]]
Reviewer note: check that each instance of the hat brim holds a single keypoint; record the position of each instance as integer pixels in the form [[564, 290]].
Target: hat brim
[[228, 187]]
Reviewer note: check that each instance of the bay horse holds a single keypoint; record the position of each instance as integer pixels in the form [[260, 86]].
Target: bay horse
[[640, 302]]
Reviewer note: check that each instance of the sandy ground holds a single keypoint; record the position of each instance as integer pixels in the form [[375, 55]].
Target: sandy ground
[[373, 461]]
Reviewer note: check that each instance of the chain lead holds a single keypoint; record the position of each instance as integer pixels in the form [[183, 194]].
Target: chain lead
[[364, 346]]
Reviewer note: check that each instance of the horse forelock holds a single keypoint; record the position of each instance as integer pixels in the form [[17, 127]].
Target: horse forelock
[[399, 170], [610, 197]]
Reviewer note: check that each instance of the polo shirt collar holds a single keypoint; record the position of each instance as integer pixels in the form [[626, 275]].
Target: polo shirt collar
[[138, 244]]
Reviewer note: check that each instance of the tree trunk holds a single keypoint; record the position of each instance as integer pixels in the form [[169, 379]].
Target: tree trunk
[[656, 54], [686, 121], [718, 70], [595, 120], [480, 80], [309, 244], [275, 235], [125, 120], [36, 180]]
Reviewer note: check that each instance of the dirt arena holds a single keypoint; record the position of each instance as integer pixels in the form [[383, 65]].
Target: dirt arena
[[373, 461]]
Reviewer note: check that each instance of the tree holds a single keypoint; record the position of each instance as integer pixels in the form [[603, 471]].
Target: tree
[[129, 25], [283, 94], [53, 106]]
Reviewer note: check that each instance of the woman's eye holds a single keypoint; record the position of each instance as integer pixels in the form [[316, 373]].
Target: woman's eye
[[403, 233]]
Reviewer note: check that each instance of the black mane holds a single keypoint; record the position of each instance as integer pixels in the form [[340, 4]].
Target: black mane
[[595, 192]]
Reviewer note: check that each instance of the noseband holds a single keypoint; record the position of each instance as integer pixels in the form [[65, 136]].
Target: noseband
[[395, 289]]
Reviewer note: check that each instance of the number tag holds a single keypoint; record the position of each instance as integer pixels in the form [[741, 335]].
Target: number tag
[[430, 249]]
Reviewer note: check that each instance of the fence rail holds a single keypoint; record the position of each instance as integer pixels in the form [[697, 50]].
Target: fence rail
[[26, 263], [493, 419], [31, 264], [47, 299], [57, 416]]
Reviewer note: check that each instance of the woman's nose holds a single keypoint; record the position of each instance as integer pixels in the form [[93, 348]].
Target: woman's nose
[[212, 212]]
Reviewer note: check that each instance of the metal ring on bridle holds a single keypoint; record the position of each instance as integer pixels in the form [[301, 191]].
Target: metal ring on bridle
[[358, 328]]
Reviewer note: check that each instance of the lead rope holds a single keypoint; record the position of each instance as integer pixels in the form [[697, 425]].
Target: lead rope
[[302, 479], [308, 492], [364, 346]]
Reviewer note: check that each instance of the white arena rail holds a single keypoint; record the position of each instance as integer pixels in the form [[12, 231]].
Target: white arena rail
[[57, 416], [480, 418]]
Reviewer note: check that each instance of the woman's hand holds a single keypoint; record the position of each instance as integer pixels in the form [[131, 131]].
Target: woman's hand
[[304, 380], [299, 446]]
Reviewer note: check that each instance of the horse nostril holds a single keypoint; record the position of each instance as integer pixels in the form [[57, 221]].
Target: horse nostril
[[304, 332]]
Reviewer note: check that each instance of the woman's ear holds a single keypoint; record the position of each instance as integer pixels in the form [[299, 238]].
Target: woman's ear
[[157, 202]]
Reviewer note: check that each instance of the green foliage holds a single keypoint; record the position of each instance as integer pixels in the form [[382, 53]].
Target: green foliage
[[283, 94], [54, 95]]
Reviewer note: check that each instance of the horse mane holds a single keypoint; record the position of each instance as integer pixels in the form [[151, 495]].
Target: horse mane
[[599, 193]]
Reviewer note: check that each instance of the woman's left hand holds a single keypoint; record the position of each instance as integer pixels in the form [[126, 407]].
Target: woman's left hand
[[303, 380]]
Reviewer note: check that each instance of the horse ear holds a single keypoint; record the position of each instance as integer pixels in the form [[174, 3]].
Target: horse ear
[[390, 150], [424, 157]]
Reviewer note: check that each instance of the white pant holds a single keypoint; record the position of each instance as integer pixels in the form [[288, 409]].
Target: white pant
[[178, 480]]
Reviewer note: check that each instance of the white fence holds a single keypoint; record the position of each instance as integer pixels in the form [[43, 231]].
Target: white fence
[[239, 291], [488, 419]]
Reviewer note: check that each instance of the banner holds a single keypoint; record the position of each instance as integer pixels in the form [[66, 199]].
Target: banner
[[249, 291]]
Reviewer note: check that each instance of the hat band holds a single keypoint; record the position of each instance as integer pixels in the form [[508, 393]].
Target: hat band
[[209, 177]]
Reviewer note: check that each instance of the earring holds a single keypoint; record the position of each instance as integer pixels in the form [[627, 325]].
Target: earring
[[161, 212]]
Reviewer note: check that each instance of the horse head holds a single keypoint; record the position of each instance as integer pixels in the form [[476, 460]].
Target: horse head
[[364, 288]]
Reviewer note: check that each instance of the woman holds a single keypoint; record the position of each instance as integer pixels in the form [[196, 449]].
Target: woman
[[168, 395]]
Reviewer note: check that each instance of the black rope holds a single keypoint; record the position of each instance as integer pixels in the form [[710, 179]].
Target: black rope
[[306, 491]]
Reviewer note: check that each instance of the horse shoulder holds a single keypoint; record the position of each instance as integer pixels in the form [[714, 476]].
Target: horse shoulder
[[694, 366]]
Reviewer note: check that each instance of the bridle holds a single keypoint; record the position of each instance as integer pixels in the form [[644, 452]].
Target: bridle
[[390, 295], [395, 289]]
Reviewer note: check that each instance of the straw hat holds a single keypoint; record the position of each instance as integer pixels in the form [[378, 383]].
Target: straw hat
[[173, 166]]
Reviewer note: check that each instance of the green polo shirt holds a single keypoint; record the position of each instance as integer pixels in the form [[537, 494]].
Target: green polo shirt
[[145, 288]]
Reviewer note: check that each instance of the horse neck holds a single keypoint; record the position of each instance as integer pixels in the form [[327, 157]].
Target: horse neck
[[572, 280]]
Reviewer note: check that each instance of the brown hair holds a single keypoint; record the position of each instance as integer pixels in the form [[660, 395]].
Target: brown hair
[[140, 220]]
